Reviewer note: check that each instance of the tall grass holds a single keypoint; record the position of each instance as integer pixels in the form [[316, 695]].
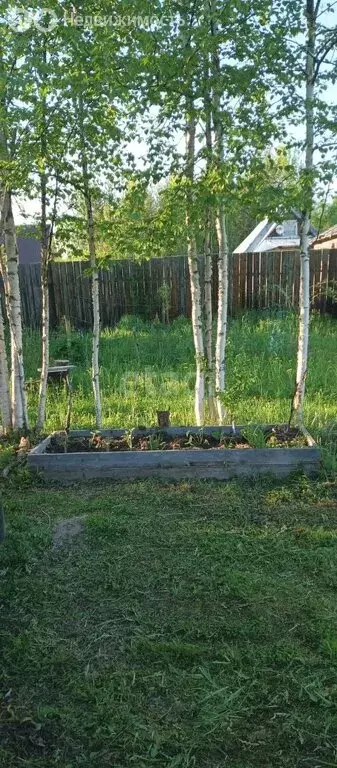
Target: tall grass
[[149, 366]]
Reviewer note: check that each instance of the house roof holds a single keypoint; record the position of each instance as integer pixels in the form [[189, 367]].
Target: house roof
[[29, 244], [328, 234], [254, 235], [264, 236]]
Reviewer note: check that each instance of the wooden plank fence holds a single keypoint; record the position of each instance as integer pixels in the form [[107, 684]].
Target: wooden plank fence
[[160, 287]]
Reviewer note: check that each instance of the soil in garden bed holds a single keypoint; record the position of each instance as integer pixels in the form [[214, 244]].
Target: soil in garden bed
[[253, 438]]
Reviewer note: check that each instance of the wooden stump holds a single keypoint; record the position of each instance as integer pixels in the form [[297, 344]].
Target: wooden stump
[[163, 418]]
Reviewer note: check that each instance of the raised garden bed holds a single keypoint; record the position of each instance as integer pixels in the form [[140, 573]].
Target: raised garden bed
[[177, 452]]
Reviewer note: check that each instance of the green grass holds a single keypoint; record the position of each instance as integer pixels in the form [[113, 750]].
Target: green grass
[[145, 367], [191, 625]]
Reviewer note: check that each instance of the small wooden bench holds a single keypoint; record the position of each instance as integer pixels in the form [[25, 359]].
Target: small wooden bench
[[60, 371]]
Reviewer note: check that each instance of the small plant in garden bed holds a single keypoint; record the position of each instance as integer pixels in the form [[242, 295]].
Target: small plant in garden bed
[[284, 437], [250, 437], [255, 437]]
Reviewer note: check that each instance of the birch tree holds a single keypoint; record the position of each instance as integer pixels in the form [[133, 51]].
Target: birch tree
[[93, 265], [46, 124], [10, 270], [99, 82], [298, 75], [221, 231], [211, 55], [208, 278], [9, 259], [52, 123], [321, 40], [304, 295], [44, 250], [82, 181], [197, 318], [27, 135]]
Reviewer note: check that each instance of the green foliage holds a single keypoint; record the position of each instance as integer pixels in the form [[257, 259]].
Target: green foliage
[[325, 214], [142, 77], [145, 223], [127, 228]]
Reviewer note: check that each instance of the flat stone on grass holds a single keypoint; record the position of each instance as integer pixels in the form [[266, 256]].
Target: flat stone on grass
[[66, 531]]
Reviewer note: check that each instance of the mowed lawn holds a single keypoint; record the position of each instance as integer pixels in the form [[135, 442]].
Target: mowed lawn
[[190, 624]]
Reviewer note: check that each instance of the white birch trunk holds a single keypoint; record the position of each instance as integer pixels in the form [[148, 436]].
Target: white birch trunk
[[303, 334], [96, 315], [41, 413], [10, 273], [16, 401], [2, 210], [45, 252], [221, 232], [14, 389], [199, 400], [5, 403], [304, 293], [212, 410], [221, 336], [95, 274], [209, 319], [193, 266], [13, 300]]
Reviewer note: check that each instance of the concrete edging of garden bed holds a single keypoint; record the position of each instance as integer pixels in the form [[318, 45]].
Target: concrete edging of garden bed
[[223, 464]]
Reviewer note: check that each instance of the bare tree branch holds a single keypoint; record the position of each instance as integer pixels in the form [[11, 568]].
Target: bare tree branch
[[316, 10], [331, 5], [324, 51]]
